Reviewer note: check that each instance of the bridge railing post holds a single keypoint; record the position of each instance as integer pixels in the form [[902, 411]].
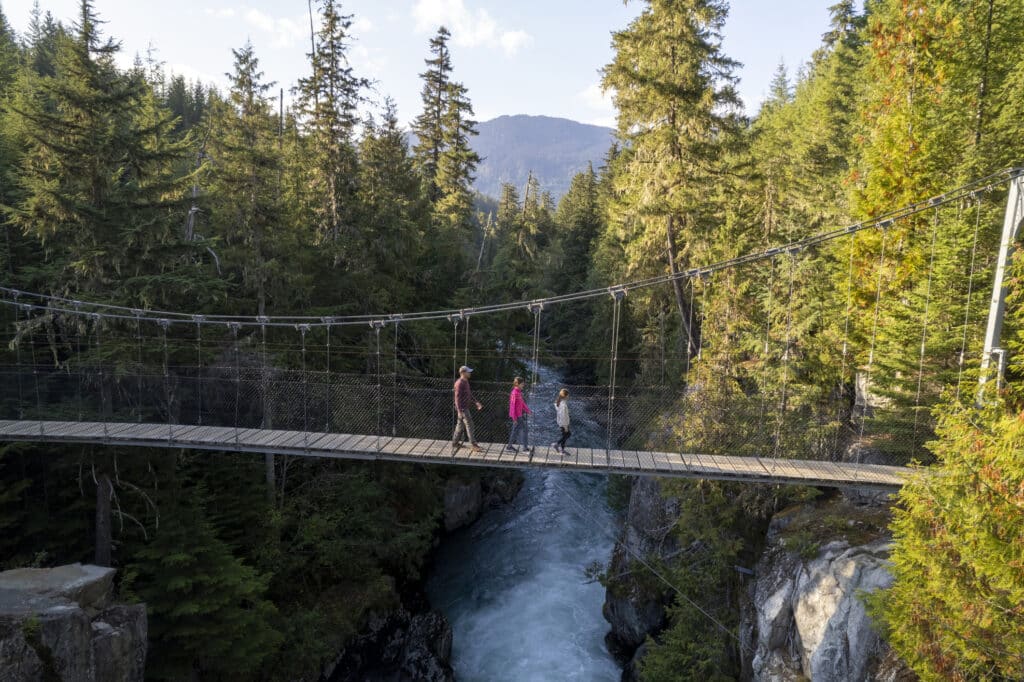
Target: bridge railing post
[[1012, 220]]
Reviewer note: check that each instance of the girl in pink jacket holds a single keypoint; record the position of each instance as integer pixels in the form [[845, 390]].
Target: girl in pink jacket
[[518, 413]]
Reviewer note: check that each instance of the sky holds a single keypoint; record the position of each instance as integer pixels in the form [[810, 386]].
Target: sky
[[521, 57]]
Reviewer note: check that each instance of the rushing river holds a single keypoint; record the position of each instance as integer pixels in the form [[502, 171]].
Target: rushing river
[[513, 585]]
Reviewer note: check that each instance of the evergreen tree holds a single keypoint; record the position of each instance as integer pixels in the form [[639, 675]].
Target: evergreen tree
[[394, 213], [429, 127], [207, 609], [9, 54], [677, 115], [244, 187], [453, 210], [327, 102]]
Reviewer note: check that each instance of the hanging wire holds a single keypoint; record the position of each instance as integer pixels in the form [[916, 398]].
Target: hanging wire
[[267, 420], [881, 221], [394, 386], [874, 334], [535, 356], [967, 304], [924, 330], [104, 389], [327, 393], [17, 360], [617, 296], [138, 371], [705, 297], [465, 346], [234, 327], [303, 330], [846, 346], [377, 326], [689, 341], [767, 336], [35, 380], [786, 353], [199, 366], [164, 324]]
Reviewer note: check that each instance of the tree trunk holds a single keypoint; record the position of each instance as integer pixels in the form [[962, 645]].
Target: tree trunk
[[677, 286], [104, 492]]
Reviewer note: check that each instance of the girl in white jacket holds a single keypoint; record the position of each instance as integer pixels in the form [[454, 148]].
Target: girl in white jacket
[[562, 419]]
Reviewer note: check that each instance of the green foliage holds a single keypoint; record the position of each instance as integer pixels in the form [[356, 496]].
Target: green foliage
[[208, 610]]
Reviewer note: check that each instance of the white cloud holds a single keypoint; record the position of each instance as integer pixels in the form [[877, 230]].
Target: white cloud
[[600, 104], [284, 32], [469, 28], [512, 41], [360, 26]]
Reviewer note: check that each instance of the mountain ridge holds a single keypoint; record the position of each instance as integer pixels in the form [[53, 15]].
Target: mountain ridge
[[552, 148]]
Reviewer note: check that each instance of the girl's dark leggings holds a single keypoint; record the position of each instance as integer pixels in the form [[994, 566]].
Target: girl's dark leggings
[[565, 436]]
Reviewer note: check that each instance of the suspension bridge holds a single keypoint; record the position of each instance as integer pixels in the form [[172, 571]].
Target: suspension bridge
[[76, 371]]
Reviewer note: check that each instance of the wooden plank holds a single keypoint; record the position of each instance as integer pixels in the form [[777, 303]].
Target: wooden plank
[[646, 461]]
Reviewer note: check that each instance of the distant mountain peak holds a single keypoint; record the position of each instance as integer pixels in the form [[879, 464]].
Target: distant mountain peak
[[554, 149]]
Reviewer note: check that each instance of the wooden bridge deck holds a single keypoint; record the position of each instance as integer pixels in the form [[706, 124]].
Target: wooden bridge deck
[[425, 450]]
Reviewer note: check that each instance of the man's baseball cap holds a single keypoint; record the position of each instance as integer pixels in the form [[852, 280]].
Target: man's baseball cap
[[464, 368]]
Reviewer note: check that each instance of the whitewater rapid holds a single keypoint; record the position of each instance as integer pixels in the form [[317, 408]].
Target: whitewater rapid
[[513, 585]]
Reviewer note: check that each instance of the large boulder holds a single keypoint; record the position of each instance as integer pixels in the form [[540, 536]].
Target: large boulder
[[45, 634], [466, 498]]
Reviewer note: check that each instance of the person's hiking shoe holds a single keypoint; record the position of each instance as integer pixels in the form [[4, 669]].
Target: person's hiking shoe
[[564, 452], [475, 448], [511, 448], [528, 450], [554, 446]]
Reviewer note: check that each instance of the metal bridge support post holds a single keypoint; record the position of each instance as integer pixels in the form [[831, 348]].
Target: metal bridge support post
[[997, 308]]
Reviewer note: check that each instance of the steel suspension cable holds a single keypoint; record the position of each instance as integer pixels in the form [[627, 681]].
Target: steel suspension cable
[[377, 326], [767, 336], [924, 329], [234, 327], [199, 367], [617, 296], [465, 346], [303, 330], [138, 371], [164, 324], [786, 353], [689, 341], [394, 386], [17, 361], [535, 356], [846, 345], [35, 380], [874, 335], [883, 221], [967, 304], [102, 378], [328, 383]]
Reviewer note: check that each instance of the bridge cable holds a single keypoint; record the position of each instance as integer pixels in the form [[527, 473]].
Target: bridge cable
[[266, 413], [767, 337], [327, 392], [689, 341], [535, 357], [138, 355], [81, 369], [17, 352], [394, 386], [967, 304], [164, 324], [846, 346], [786, 353], [234, 327], [303, 330], [103, 377], [455, 368], [617, 296], [465, 346], [924, 330], [376, 330], [199, 366], [874, 337], [882, 221]]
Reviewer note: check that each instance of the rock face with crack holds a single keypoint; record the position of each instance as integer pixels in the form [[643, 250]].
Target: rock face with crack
[[59, 624]]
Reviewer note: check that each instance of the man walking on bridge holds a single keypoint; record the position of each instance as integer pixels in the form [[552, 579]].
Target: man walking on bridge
[[463, 417]]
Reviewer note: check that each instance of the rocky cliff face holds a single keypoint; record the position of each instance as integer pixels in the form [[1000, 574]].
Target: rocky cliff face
[[398, 647], [59, 624], [803, 618], [632, 608], [467, 497]]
